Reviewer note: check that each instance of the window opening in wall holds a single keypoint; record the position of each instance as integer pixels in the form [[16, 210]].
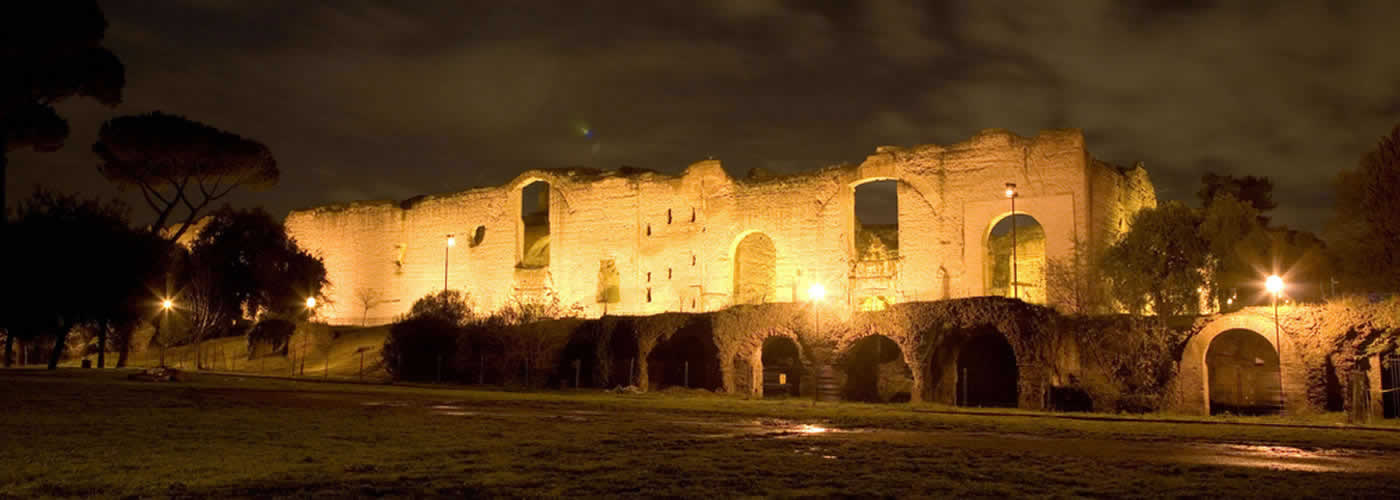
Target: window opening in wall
[[478, 236], [755, 270], [1028, 268], [534, 223], [668, 273], [692, 214], [692, 259], [648, 295], [648, 229], [648, 276], [668, 216], [877, 220]]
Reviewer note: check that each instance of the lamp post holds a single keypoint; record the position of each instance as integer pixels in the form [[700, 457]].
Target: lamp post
[[1015, 282], [1274, 284], [447, 254], [165, 306], [815, 294]]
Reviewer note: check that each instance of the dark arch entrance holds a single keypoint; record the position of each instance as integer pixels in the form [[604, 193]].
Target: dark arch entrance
[[782, 368], [876, 372], [1242, 370], [688, 359], [987, 373]]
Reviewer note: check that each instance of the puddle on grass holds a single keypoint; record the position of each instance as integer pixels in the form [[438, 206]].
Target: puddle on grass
[[775, 429], [1289, 458]]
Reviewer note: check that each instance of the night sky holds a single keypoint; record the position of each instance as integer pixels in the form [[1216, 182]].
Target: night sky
[[365, 100]]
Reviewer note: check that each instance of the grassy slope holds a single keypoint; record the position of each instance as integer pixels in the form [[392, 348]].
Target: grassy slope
[[92, 433], [229, 354]]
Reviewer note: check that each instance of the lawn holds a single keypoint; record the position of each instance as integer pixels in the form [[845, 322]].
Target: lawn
[[91, 433]]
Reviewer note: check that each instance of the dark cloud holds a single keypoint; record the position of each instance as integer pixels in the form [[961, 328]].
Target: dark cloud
[[386, 100]]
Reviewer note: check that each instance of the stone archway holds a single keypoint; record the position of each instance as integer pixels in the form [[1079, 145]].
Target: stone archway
[[1242, 374], [987, 374], [876, 371], [782, 366], [1193, 377]]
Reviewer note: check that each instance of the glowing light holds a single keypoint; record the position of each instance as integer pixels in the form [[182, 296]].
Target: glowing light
[[311, 302], [1010, 190], [451, 241], [1274, 284], [811, 429], [816, 292], [167, 304]]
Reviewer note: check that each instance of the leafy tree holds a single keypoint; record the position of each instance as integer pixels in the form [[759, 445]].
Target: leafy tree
[[244, 261], [1365, 230], [62, 251], [1239, 246], [1159, 261], [51, 52], [179, 163]]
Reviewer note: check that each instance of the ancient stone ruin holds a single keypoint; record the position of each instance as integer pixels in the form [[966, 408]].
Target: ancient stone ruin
[[637, 242], [705, 281]]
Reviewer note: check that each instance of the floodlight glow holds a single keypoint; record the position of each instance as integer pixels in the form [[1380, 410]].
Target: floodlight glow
[[1010, 190], [166, 304], [816, 292], [451, 241], [1274, 284], [311, 302]]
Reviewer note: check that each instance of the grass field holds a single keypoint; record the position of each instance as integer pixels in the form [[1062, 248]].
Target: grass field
[[93, 433]]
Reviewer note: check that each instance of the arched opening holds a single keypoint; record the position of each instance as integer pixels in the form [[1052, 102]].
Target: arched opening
[[534, 225], [876, 372], [782, 368], [1390, 385], [987, 374], [1242, 370], [688, 358], [755, 268], [877, 220], [1016, 262]]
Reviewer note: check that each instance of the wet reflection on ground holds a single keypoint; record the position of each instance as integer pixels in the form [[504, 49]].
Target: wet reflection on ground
[[820, 439]]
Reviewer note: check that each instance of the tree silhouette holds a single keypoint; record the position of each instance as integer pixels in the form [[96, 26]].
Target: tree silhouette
[[63, 254], [1365, 230], [51, 51], [244, 261], [177, 162]]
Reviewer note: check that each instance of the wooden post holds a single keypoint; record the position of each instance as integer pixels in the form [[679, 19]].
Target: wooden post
[[631, 371], [686, 378], [576, 368]]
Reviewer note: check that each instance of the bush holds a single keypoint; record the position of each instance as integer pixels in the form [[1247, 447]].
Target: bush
[[421, 348], [423, 345]]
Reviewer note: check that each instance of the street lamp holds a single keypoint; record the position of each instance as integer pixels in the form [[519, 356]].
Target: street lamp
[[1015, 282], [165, 305], [311, 302], [1274, 284], [815, 294], [447, 254]]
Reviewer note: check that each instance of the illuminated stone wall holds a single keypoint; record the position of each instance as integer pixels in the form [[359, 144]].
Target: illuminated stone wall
[[670, 241]]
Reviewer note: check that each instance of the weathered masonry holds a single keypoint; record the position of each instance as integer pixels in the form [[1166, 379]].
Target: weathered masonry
[[637, 242]]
